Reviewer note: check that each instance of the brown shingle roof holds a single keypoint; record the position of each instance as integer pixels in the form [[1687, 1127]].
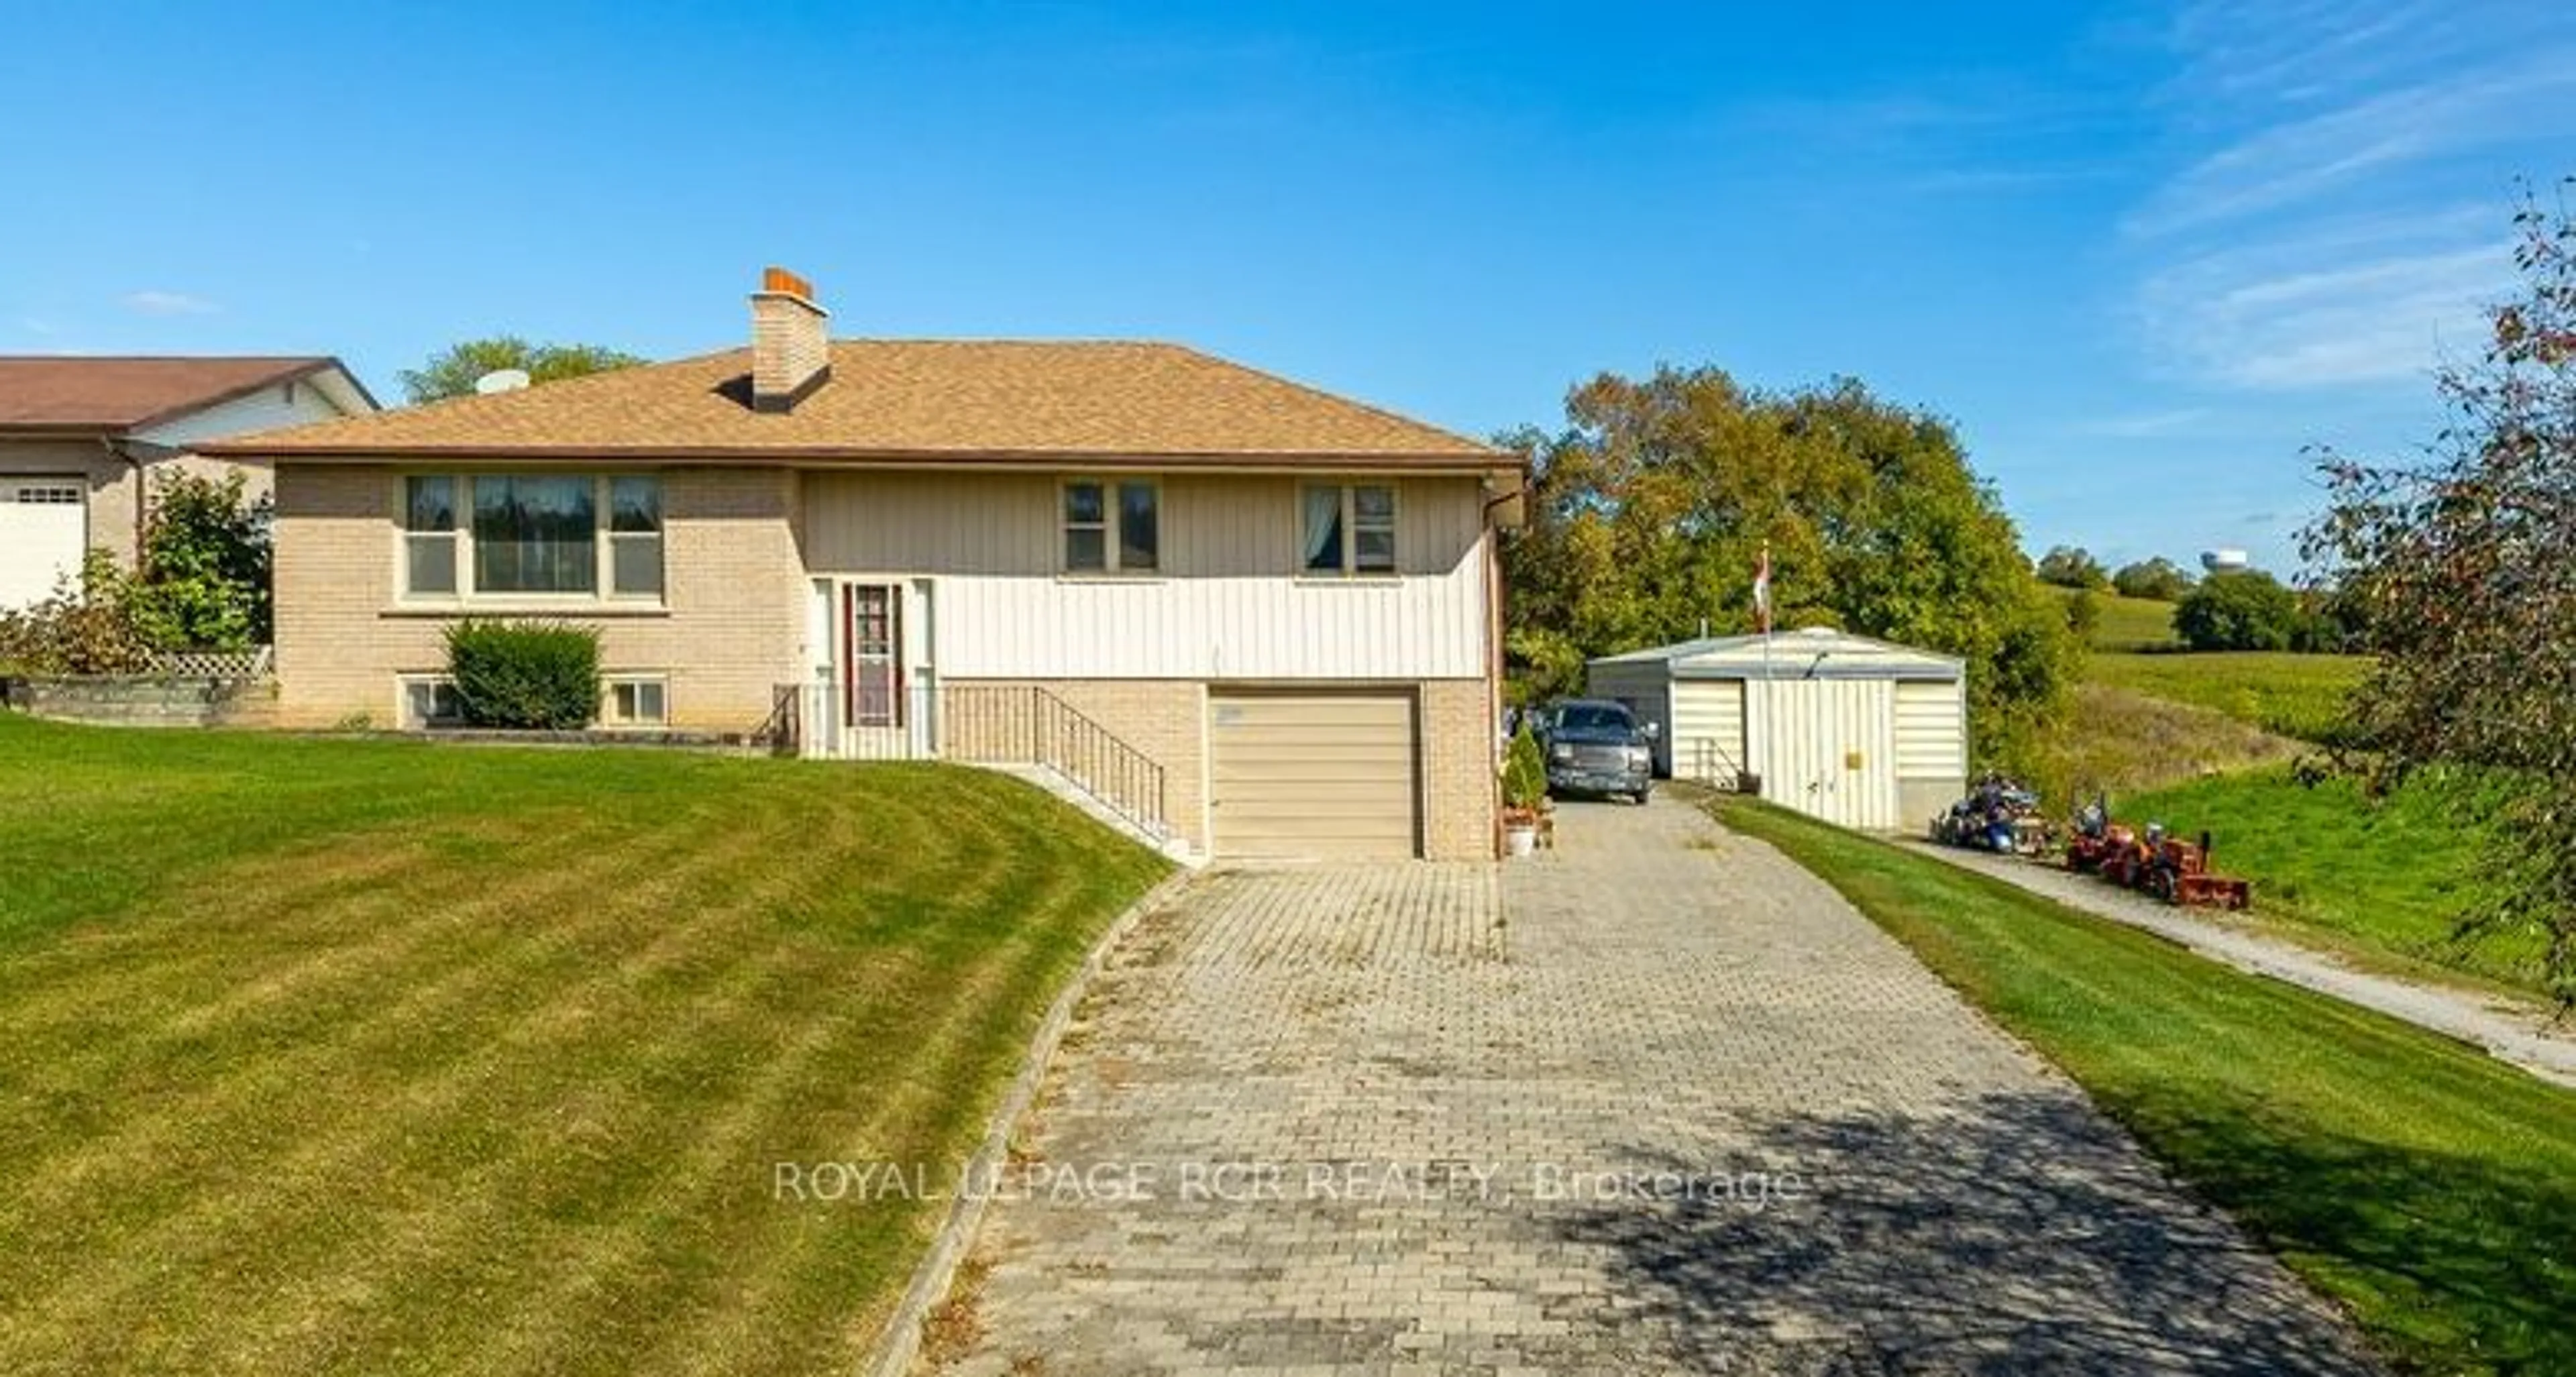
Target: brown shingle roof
[[942, 401], [72, 392]]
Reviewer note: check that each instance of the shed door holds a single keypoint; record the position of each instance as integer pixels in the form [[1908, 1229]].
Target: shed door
[[1831, 746], [1312, 775], [44, 525]]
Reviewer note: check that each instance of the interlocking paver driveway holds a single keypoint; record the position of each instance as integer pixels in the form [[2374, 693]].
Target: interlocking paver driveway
[[1658, 1102]]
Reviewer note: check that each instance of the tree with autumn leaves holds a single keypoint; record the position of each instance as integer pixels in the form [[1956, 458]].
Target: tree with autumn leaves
[[1650, 509], [2457, 568]]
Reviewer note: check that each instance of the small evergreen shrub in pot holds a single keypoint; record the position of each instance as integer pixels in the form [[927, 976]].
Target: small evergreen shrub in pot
[[532, 676]]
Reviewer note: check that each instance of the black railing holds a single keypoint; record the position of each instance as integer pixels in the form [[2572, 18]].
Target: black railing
[[1026, 724], [983, 724]]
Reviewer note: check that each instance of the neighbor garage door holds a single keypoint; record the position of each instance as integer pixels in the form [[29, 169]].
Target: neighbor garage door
[[44, 523], [1311, 775]]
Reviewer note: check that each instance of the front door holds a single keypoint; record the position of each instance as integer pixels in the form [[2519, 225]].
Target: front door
[[872, 654]]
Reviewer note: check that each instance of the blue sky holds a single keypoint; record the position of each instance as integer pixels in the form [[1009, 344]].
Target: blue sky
[[2142, 254]]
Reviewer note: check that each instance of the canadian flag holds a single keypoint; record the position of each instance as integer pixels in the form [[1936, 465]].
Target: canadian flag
[[1762, 589]]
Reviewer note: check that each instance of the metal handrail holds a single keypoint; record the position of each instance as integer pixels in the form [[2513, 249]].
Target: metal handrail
[[1704, 770], [991, 724]]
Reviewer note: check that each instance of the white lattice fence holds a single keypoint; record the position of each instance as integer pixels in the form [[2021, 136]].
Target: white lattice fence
[[215, 664]]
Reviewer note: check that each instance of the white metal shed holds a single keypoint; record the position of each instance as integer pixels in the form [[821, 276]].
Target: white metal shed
[[1860, 732]]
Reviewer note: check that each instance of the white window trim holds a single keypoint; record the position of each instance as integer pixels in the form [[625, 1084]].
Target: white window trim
[[1111, 535], [1350, 570], [603, 546], [608, 686]]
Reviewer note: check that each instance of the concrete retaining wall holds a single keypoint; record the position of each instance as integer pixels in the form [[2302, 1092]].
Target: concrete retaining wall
[[147, 701]]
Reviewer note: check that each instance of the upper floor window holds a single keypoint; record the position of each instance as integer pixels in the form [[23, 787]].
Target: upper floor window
[[532, 535], [1112, 527], [1349, 528]]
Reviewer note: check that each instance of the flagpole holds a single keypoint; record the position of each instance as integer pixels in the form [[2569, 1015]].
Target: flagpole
[[1769, 729]]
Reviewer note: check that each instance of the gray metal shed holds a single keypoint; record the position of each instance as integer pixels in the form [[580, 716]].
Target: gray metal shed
[[1864, 733]]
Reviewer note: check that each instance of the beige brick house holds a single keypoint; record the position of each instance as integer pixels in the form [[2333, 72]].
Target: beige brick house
[[1259, 616]]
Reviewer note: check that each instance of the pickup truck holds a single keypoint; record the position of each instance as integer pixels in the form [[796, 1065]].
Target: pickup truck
[[1596, 747]]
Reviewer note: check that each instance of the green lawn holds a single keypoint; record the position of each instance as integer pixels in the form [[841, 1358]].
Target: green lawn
[[2432, 1191], [2369, 878], [2126, 623], [2297, 696], [385, 1057]]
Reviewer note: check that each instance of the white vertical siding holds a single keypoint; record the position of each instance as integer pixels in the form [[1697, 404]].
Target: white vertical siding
[[1708, 727], [1229, 601], [1827, 748]]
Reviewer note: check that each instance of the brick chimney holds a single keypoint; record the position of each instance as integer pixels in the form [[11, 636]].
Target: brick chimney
[[790, 353]]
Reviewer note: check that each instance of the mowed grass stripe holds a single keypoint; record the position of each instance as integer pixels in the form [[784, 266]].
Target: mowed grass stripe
[[197, 978], [488, 973], [545, 1167], [937, 1128], [353, 1135], [721, 1170], [417, 1270]]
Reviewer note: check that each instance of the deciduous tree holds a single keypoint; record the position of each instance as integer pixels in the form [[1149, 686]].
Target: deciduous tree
[[2457, 567], [2159, 578], [452, 372], [2072, 566]]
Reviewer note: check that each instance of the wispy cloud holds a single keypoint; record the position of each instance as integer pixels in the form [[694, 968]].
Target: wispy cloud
[[2144, 424], [2344, 211], [2344, 321], [158, 303]]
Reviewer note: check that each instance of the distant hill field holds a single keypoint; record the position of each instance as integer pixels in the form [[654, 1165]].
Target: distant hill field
[[2297, 696], [2126, 623]]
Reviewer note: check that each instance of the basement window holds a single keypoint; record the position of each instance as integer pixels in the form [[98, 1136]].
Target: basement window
[[429, 701], [635, 700]]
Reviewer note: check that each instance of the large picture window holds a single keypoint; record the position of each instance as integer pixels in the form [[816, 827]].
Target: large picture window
[[1112, 527], [1349, 528], [532, 535], [535, 535]]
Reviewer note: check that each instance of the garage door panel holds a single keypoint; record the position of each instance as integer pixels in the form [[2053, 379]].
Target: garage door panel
[[1312, 775], [44, 526]]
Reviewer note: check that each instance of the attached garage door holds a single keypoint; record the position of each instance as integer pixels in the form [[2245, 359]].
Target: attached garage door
[[1312, 776], [44, 523]]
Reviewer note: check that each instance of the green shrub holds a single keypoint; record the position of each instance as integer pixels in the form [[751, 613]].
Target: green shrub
[[1524, 771], [541, 676], [87, 626], [2247, 610], [206, 561]]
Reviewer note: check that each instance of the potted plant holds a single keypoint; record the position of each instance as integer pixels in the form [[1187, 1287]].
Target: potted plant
[[1524, 792]]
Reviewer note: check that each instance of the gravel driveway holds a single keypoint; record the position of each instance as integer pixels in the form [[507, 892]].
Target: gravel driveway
[[1659, 1101]]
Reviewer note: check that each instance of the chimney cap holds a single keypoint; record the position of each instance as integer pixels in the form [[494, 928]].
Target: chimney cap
[[776, 279]]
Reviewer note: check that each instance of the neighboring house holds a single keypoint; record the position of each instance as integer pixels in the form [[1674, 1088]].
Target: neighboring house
[[81, 438], [1263, 615], [1860, 732]]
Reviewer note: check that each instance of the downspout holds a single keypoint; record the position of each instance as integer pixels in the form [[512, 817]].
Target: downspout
[[1494, 660]]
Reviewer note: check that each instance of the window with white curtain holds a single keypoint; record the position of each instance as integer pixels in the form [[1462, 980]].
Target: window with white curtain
[[1349, 528]]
